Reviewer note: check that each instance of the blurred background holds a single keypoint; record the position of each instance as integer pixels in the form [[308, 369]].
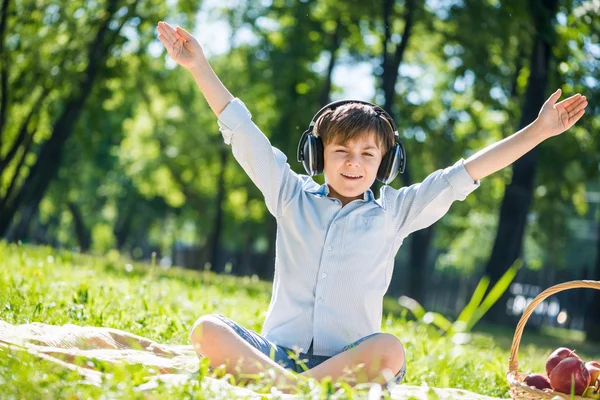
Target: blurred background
[[106, 145]]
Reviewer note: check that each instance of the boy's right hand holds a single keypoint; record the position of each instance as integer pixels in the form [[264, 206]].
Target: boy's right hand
[[181, 45]]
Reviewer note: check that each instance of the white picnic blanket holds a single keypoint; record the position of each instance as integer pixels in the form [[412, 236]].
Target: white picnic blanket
[[173, 363]]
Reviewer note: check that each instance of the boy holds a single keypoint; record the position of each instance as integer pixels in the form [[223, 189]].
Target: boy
[[336, 243]]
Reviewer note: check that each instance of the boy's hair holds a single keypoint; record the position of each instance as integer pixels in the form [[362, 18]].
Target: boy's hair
[[350, 121]]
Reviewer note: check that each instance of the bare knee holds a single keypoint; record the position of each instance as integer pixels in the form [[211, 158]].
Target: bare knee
[[392, 352], [206, 332]]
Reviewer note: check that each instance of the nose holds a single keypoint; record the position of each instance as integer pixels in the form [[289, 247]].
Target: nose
[[353, 159]]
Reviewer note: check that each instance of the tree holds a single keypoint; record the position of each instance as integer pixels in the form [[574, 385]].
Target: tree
[[70, 66], [519, 193]]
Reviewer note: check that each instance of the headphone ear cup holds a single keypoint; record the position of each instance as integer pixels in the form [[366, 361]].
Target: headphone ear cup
[[391, 164], [319, 156], [300, 151], [313, 155], [383, 173]]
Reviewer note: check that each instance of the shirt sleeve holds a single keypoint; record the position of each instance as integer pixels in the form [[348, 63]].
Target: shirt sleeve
[[420, 205], [266, 166]]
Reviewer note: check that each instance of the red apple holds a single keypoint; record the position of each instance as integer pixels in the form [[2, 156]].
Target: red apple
[[557, 356], [538, 381], [569, 369], [594, 368]]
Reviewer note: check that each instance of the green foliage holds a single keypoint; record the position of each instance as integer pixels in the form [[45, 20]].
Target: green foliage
[[475, 309]]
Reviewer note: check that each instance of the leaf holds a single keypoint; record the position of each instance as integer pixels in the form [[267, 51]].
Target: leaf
[[438, 320], [475, 301], [496, 292], [411, 304]]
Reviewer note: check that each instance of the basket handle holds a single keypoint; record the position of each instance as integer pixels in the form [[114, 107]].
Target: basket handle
[[513, 361]]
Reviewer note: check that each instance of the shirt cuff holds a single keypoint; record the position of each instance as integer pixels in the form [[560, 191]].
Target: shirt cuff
[[233, 115], [460, 180]]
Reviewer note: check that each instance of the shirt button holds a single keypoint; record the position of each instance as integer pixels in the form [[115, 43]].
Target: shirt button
[[320, 300], [333, 224], [329, 248], [324, 275]]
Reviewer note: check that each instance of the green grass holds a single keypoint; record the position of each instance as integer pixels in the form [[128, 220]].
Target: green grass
[[40, 284]]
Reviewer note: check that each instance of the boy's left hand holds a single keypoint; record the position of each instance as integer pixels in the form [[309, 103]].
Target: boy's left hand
[[556, 118]]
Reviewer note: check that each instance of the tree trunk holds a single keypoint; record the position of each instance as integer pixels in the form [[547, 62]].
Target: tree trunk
[[245, 264], [15, 178], [519, 193], [18, 231], [419, 256], [4, 62], [214, 241], [46, 232], [122, 228], [336, 41], [391, 61], [24, 137], [81, 231]]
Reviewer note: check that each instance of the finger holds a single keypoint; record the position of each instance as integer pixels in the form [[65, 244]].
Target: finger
[[184, 34], [169, 32], [554, 96], [576, 104], [566, 102], [576, 117], [577, 108], [163, 32], [166, 25], [165, 43], [578, 101]]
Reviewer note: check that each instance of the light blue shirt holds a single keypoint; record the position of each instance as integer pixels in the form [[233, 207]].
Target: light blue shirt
[[333, 264]]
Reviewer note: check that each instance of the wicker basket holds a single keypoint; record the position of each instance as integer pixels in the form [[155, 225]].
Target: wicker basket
[[519, 390]]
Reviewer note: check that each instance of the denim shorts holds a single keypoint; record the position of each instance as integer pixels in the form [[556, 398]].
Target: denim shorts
[[288, 358]]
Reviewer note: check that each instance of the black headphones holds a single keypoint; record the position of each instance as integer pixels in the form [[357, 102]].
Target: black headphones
[[310, 148]]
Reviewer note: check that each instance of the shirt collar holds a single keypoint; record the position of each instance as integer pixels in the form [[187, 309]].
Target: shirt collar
[[323, 191]]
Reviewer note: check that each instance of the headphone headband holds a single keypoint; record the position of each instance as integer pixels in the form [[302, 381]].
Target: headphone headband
[[335, 104]]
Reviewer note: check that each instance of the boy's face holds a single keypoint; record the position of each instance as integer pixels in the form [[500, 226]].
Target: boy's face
[[351, 168]]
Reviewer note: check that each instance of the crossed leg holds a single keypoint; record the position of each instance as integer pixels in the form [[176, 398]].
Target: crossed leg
[[375, 360], [214, 339], [378, 357]]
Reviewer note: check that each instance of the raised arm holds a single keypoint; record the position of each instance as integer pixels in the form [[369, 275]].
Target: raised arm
[[553, 119], [186, 51], [264, 164]]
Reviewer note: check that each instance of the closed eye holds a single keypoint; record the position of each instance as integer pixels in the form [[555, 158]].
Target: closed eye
[[368, 154]]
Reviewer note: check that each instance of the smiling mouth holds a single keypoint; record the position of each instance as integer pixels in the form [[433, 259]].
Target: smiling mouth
[[351, 177]]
